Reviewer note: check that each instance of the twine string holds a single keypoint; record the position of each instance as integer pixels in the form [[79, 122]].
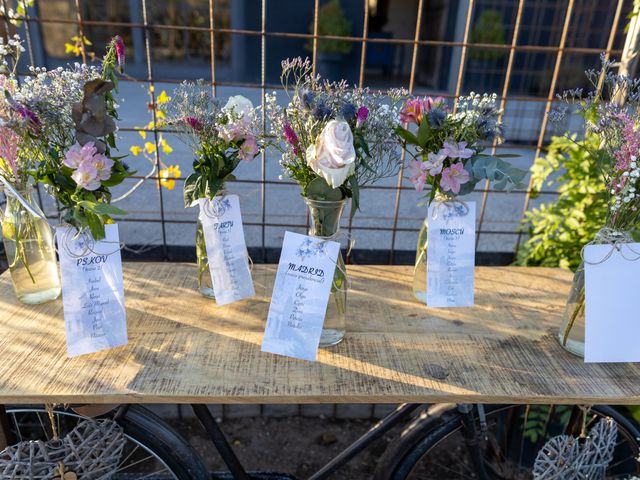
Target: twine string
[[616, 239]]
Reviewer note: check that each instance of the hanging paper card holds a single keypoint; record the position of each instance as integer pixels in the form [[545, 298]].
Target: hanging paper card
[[300, 296], [451, 254], [612, 328], [226, 249], [92, 291]]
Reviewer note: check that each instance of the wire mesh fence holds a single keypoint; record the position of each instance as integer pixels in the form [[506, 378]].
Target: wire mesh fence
[[524, 50]]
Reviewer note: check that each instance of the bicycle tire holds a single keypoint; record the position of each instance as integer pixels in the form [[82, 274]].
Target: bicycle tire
[[143, 425], [438, 423], [152, 434]]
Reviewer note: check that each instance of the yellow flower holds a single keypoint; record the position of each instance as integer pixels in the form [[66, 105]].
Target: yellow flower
[[160, 114], [136, 150], [166, 148], [168, 174], [142, 133], [162, 98], [150, 147]]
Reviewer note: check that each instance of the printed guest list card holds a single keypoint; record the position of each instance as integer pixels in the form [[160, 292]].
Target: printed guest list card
[[451, 241], [92, 291], [226, 249], [612, 328], [300, 296]]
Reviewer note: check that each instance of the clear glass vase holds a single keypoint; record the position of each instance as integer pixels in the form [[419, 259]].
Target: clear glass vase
[[205, 286], [571, 334], [420, 267], [28, 242], [325, 218]]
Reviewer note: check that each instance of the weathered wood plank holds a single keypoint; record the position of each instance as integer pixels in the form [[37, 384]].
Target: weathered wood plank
[[183, 348]]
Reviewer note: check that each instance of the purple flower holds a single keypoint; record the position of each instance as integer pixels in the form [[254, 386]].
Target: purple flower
[[26, 114], [120, 51], [193, 122], [362, 115], [291, 138]]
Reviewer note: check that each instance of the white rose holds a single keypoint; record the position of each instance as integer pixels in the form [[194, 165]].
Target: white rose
[[333, 156], [239, 104]]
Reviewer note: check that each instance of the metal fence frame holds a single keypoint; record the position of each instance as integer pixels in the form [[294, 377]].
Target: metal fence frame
[[512, 47]]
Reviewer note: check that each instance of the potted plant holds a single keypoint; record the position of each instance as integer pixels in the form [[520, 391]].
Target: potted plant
[[331, 53]]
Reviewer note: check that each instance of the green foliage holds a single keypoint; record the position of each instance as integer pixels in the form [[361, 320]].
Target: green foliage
[[332, 21], [489, 30], [558, 229], [539, 419], [213, 166]]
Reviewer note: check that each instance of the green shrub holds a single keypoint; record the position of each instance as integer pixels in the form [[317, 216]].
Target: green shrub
[[332, 21], [558, 229], [488, 29]]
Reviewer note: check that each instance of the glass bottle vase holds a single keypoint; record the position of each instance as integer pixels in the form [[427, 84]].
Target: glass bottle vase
[[571, 334], [205, 285], [325, 218], [28, 242], [420, 267]]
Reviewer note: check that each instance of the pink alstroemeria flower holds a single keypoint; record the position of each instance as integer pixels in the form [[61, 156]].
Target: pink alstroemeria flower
[[453, 177], [418, 174], [412, 111], [435, 162], [86, 176], [249, 148], [457, 150]]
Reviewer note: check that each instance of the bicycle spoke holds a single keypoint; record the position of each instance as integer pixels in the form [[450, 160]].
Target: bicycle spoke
[[124, 460], [137, 462], [17, 427]]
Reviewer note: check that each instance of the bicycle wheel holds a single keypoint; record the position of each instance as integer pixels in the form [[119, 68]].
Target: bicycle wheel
[[153, 451], [434, 445]]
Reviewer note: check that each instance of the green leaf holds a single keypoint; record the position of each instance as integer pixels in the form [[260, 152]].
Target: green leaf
[[191, 189], [101, 208], [319, 189], [355, 194], [95, 224], [407, 136], [424, 131]]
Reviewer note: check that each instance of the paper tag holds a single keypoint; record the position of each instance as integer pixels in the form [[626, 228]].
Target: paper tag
[[451, 239], [612, 328], [92, 291], [226, 249], [300, 296]]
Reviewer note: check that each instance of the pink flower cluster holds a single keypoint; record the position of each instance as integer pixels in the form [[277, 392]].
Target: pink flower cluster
[[237, 132], [451, 177], [630, 146], [9, 142], [415, 108], [90, 167]]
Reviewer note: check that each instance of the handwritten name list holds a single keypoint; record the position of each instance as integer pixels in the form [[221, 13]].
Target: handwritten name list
[[226, 249], [300, 296], [92, 291], [451, 254]]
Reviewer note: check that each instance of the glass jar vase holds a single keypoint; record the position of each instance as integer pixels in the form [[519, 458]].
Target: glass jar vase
[[572, 329], [325, 218], [205, 285], [28, 242], [571, 334], [420, 266]]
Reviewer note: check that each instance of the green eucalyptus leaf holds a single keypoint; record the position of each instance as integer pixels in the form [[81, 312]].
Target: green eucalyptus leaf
[[319, 189]]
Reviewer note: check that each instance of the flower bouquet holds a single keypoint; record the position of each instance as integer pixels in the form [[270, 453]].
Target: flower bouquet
[[446, 150], [334, 140], [26, 234], [611, 117], [221, 137], [72, 115]]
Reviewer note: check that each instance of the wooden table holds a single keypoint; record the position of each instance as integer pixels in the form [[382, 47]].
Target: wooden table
[[185, 349]]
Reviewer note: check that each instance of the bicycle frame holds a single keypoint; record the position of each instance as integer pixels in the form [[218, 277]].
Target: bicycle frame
[[239, 473]]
